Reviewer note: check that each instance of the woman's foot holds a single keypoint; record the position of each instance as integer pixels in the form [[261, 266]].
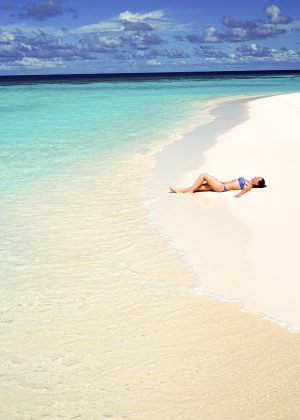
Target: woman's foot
[[175, 190], [182, 190]]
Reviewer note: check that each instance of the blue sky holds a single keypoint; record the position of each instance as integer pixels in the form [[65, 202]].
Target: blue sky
[[93, 36]]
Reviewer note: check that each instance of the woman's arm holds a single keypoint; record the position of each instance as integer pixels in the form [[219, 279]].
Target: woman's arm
[[244, 191]]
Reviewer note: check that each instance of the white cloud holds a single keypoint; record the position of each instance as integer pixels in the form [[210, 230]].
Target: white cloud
[[155, 18], [153, 62], [31, 62], [289, 55], [116, 25], [112, 26], [110, 41], [252, 53], [127, 15], [274, 14], [35, 62], [210, 34], [169, 25], [6, 37]]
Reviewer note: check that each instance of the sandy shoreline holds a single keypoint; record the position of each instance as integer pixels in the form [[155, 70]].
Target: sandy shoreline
[[93, 331], [243, 249]]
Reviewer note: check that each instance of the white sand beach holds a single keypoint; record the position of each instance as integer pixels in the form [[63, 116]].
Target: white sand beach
[[244, 249]]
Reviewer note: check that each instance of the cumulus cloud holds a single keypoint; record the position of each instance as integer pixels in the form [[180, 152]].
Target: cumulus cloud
[[28, 63], [231, 22], [98, 42], [248, 53], [43, 10], [275, 16], [234, 30], [36, 52], [251, 32], [253, 50], [133, 37], [210, 34], [143, 40], [133, 34], [136, 26], [6, 37], [236, 33], [41, 46], [255, 53], [207, 51], [15, 47], [37, 63]]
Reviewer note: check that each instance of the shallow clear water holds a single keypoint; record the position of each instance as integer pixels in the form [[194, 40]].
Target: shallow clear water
[[74, 234], [45, 127]]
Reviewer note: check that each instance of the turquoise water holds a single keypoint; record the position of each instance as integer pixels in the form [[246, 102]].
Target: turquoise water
[[46, 127]]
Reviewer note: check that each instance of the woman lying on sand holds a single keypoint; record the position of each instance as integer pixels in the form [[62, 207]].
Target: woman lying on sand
[[207, 182]]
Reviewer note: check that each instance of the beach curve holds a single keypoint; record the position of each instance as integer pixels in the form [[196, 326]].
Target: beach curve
[[242, 250]]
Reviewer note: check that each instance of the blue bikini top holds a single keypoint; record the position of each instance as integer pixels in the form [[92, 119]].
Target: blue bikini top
[[242, 182]]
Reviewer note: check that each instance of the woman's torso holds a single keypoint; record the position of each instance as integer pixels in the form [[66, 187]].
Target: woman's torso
[[234, 184]]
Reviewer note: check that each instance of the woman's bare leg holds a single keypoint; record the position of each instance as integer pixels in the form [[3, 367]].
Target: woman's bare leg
[[204, 187], [212, 182], [181, 190]]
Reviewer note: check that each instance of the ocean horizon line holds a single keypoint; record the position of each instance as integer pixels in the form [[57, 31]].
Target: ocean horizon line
[[144, 76]]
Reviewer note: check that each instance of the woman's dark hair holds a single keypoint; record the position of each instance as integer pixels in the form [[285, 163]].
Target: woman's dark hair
[[261, 184]]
